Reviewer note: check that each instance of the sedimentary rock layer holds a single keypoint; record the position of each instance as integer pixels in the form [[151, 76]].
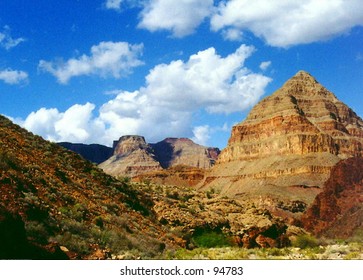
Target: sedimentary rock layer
[[133, 156], [338, 210], [292, 138]]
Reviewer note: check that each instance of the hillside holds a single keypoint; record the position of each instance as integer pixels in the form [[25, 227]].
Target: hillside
[[59, 200], [93, 152]]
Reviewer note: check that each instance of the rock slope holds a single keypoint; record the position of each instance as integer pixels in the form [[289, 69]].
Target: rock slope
[[288, 144], [338, 210], [133, 156]]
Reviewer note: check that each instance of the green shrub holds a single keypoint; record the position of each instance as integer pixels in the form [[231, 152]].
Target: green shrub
[[99, 222], [37, 231], [115, 240], [74, 243], [305, 241], [211, 239], [7, 161]]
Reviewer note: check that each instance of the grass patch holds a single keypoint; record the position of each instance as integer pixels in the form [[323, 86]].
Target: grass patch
[[211, 239], [305, 241]]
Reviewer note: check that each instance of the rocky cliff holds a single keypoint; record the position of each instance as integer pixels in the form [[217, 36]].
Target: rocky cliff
[[288, 144], [338, 210], [133, 156], [179, 175], [183, 151]]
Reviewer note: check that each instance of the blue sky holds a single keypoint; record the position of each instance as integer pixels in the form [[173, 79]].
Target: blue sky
[[92, 71]]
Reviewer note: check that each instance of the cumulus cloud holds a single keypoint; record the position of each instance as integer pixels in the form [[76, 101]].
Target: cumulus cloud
[[107, 59], [280, 23], [264, 65], [180, 17], [232, 34], [207, 80], [76, 124], [201, 134], [113, 4], [13, 77], [173, 94], [285, 23], [7, 41]]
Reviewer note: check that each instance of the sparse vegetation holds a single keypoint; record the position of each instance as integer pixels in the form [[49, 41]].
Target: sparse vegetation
[[305, 241], [210, 239], [350, 251], [69, 202]]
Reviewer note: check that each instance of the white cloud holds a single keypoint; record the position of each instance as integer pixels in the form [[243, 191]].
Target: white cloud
[[76, 124], [113, 4], [264, 65], [180, 17], [201, 134], [207, 80], [13, 77], [284, 23], [280, 23], [8, 42], [107, 58], [232, 34], [173, 94], [42, 123]]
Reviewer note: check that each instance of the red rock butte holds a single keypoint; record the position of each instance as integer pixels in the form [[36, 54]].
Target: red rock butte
[[288, 144]]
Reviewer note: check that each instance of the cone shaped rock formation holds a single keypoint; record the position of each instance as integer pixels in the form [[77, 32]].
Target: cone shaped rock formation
[[288, 144]]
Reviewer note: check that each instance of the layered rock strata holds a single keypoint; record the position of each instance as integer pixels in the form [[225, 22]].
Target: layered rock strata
[[288, 144], [338, 211], [183, 151], [131, 156]]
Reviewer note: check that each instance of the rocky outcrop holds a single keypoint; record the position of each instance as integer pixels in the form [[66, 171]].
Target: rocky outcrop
[[338, 210], [288, 144], [180, 175], [192, 213], [131, 156], [93, 152], [183, 151]]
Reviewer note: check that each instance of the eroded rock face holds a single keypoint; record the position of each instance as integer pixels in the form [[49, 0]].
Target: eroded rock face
[[338, 211], [183, 151], [180, 175], [131, 156], [288, 144]]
